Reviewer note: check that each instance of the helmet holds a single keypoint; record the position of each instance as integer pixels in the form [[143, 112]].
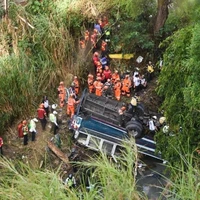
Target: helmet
[[54, 106], [70, 176], [35, 120], [117, 79], [162, 120], [154, 117], [108, 80], [98, 78], [75, 77], [116, 71], [95, 30], [54, 112], [61, 83]]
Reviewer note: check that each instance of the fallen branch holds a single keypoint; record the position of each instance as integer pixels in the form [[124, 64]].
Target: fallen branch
[[26, 22], [59, 153]]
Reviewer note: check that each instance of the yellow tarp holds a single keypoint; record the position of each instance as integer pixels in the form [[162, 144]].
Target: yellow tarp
[[121, 56]]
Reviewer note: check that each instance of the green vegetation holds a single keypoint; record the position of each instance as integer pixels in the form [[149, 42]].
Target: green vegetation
[[110, 180], [39, 48]]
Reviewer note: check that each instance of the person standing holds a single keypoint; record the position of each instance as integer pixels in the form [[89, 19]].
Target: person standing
[[76, 85], [53, 120], [71, 105], [1, 146], [98, 85], [45, 101], [126, 86], [25, 132], [42, 116], [32, 128], [19, 130], [62, 93], [117, 89], [150, 70]]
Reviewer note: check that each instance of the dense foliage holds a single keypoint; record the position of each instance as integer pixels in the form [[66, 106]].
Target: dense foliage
[[178, 85]]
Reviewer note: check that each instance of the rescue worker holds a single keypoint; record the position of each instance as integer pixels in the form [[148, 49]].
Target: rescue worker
[[137, 83], [45, 101], [107, 73], [82, 43], [126, 85], [150, 70], [117, 89], [19, 130], [115, 76], [70, 181], [53, 120], [90, 83], [107, 89], [95, 59], [1, 146], [104, 47], [98, 85], [87, 35], [104, 61], [76, 85], [61, 93], [93, 39], [42, 116], [71, 105], [99, 68], [121, 112], [32, 128], [152, 126], [25, 132], [143, 82]]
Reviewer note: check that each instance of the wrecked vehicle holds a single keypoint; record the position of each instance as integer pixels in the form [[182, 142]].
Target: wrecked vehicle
[[96, 125]]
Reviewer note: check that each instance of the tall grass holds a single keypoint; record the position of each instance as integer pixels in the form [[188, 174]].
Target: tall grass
[[111, 180], [185, 179]]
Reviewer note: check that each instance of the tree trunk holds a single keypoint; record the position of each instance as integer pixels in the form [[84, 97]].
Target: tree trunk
[[162, 14], [59, 153]]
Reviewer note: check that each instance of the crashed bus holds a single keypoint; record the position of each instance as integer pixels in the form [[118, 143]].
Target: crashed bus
[[96, 126]]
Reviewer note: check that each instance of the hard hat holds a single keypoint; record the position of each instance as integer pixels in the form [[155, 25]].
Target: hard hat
[[98, 63], [73, 84], [54, 106], [61, 83], [75, 77], [134, 101], [108, 80], [24, 122], [154, 117], [117, 79], [35, 120], [116, 71], [54, 112], [95, 30], [98, 78], [162, 120]]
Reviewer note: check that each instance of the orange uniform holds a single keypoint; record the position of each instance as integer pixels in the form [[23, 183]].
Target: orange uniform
[[87, 35], [82, 44], [115, 76], [90, 83], [117, 88], [126, 85], [61, 94], [76, 85], [103, 45], [71, 106], [98, 87]]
